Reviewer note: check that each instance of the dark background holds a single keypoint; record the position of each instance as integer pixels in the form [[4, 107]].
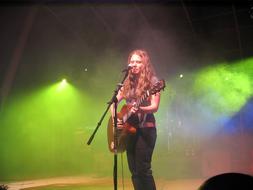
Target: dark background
[[179, 35]]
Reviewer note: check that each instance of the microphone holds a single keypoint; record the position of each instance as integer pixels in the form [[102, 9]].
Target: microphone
[[127, 69]]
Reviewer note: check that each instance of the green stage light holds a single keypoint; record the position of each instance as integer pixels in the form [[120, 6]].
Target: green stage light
[[64, 81], [225, 87], [62, 84]]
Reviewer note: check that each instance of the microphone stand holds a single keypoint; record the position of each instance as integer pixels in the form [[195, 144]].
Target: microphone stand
[[114, 101]]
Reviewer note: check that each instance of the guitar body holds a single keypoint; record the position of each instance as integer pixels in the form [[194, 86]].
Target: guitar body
[[122, 132]]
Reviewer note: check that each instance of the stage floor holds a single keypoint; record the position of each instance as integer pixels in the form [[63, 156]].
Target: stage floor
[[97, 183]]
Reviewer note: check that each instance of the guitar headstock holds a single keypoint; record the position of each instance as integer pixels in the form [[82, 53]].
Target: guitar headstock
[[157, 87]]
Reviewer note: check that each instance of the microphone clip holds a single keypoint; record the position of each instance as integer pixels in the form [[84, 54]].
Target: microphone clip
[[127, 69]]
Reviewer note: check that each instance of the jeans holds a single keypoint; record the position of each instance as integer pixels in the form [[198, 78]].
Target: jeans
[[139, 156]]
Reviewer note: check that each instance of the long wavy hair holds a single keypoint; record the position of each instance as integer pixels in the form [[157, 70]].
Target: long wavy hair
[[144, 81]]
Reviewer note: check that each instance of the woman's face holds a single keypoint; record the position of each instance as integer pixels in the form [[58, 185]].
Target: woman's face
[[136, 64]]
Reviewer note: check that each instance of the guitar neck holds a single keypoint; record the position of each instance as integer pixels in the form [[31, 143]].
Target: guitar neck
[[141, 99], [138, 103], [160, 85]]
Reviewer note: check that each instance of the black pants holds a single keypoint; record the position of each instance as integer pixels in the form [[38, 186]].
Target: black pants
[[139, 155]]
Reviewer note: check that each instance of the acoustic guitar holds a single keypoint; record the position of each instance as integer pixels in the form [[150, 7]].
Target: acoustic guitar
[[129, 123]]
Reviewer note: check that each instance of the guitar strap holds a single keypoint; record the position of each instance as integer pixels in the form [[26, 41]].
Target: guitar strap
[[142, 119]]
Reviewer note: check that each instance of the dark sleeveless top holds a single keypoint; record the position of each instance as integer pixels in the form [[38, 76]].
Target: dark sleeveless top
[[147, 119]]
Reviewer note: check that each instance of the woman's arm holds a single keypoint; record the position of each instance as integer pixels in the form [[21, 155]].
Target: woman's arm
[[153, 107]]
